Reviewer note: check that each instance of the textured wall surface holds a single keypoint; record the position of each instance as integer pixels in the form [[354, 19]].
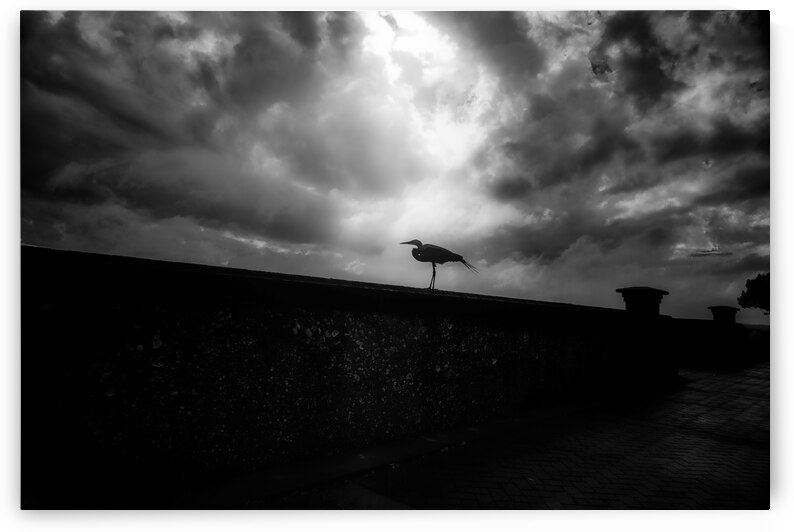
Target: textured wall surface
[[139, 376]]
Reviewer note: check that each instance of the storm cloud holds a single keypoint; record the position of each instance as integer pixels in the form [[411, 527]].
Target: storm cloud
[[564, 154]]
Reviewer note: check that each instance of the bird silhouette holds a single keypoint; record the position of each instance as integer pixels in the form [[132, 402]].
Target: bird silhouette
[[435, 255]]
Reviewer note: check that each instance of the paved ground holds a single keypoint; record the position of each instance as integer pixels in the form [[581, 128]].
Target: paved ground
[[703, 445]]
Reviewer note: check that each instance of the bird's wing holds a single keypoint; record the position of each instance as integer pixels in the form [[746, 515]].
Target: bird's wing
[[431, 252]]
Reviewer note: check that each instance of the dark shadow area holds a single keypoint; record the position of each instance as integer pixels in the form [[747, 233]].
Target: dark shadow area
[[142, 379], [703, 444]]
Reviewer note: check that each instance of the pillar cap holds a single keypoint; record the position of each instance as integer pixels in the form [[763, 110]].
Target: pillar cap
[[641, 290], [724, 307]]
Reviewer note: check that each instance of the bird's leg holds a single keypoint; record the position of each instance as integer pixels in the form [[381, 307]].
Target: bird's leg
[[433, 279]]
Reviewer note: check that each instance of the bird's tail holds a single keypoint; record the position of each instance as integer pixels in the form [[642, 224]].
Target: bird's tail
[[469, 266]]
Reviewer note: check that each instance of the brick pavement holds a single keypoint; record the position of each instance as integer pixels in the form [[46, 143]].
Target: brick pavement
[[703, 445]]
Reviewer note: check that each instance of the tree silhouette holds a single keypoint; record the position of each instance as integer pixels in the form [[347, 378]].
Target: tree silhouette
[[756, 293]]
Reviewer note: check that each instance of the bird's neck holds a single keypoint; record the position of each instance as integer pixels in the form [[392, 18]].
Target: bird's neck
[[415, 252]]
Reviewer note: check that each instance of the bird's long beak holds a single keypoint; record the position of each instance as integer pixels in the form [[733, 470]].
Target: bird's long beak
[[406, 242]]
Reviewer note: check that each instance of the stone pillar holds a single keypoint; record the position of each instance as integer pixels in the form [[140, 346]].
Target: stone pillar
[[642, 300], [724, 314]]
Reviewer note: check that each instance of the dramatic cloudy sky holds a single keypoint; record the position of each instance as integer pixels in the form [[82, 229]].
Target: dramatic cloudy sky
[[565, 155]]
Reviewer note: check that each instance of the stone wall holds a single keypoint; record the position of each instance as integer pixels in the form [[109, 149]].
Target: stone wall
[[141, 376]]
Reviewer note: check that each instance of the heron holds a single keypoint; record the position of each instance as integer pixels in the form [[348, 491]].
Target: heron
[[435, 255]]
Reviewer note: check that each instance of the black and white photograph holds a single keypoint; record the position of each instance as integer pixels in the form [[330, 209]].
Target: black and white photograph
[[394, 260]]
